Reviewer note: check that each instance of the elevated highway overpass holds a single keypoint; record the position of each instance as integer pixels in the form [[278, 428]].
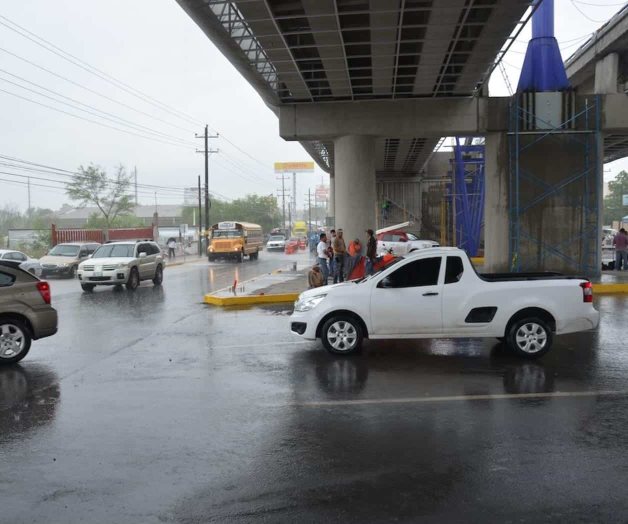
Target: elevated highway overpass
[[369, 86], [600, 65]]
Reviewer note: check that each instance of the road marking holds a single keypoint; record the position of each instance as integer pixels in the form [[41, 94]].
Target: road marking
[[458, 398]]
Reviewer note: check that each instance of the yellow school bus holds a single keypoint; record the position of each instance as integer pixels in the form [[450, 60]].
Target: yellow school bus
[[235, 240]]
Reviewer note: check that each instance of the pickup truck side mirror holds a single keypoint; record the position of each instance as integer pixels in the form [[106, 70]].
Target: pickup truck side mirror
[[142, 254], [386, 282]]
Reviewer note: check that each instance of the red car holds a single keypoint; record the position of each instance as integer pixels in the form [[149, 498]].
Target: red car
[[292, 246]]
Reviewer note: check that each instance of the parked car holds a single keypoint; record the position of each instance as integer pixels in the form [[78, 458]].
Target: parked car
[[25, 311], [276, 243], [64, 259], [399, 243], [118, 263], [27, 263], [436, 293]]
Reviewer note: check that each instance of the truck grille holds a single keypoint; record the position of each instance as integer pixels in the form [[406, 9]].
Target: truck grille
[[88, 268], [222, 245]]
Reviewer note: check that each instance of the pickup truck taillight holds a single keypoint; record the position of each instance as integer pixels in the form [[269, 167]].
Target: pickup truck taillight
[[587, 292], [44, 291]]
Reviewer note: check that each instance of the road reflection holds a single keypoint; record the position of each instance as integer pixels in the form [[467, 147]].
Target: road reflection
[[29, 398]]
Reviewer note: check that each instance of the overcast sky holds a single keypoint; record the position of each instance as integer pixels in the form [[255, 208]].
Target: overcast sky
[[153, 46]]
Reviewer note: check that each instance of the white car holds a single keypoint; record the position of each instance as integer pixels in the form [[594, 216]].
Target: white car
[[276, 243], [118, 263], [400, 243], [436, 293], [27, 263]]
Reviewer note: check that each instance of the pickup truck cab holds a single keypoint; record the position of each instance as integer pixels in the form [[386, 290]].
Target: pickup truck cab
[[436, 293], [401, 243]]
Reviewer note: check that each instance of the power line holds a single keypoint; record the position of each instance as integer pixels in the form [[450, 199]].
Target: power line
[[94, 70], [68, 173], [115, 119], [93, 91], [78, 62], [585, 15], [90, 120]]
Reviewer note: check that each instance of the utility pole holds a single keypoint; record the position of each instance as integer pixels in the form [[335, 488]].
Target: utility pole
[[29, 196], [294, 195], [200, 220], [206, 151], [135, 177], [282, 193], [309, 213]]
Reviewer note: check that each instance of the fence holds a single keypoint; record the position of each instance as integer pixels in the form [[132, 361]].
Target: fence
[[59, 236]]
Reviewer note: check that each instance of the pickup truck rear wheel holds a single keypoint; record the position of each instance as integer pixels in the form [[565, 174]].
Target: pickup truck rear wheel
[[529, 337], [342, 335]]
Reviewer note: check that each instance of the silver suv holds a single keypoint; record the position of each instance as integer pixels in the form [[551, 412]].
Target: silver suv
[[118, 263]]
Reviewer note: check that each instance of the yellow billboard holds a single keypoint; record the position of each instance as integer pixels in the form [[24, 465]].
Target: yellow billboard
[[294, 167]]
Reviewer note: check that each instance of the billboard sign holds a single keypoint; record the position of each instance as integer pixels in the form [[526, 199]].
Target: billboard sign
[[321, 193], [294, 167]]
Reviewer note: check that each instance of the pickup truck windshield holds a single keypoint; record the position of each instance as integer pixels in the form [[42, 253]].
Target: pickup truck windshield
[[391, 263]]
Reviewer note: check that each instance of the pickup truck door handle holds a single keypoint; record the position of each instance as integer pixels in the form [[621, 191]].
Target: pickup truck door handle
[[432, 294]]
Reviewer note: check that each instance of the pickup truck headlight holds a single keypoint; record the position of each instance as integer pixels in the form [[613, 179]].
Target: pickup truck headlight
[[307, 304], [121, 266]]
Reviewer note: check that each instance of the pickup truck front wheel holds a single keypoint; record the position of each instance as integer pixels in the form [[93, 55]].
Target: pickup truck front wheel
[[342, 335], [529, 337]]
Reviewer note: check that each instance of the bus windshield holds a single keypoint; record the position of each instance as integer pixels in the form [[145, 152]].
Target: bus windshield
[[222, 233]]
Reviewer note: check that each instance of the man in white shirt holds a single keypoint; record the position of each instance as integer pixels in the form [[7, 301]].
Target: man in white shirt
[[323, 257]]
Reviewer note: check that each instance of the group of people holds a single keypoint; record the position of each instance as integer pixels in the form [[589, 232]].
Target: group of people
[[336, 260]]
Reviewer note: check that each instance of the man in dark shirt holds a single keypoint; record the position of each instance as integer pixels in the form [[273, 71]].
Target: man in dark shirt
[[371, 251]]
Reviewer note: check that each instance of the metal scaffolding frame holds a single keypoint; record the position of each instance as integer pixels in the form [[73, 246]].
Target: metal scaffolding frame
[[580, 127]]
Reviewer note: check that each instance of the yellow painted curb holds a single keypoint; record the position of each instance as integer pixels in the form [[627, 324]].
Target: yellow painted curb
[[610, 289], [247, 300], [477, 261]]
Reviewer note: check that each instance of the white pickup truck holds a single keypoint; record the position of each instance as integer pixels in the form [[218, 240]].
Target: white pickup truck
[[436, 293]]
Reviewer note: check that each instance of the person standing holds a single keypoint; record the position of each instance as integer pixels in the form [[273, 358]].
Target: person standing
[[330, 242], [371, 251], [340, 251], [621, 250], [323, 256], [171, 247]]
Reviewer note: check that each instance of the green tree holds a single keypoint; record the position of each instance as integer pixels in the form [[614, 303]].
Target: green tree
[[613, 209], [258, 209], [96, 221], [112, 197]]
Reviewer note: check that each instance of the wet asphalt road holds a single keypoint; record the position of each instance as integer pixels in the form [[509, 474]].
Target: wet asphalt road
[[150, 407]]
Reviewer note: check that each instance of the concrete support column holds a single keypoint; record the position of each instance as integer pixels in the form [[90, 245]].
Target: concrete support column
[[496, 205], [355, 188], [331, 211], [607, 74]]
